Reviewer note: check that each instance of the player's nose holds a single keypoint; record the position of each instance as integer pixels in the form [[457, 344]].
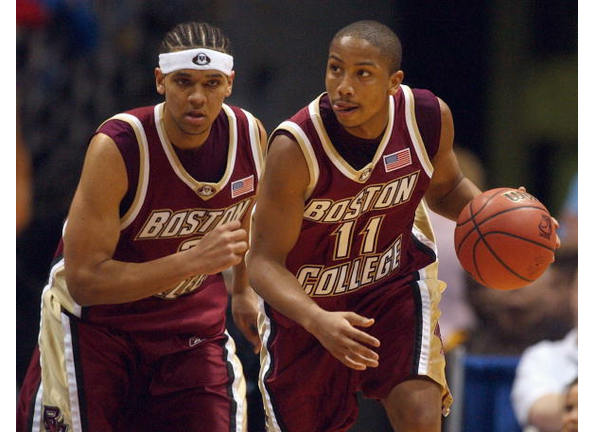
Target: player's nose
[[345, 86], [197, 98]]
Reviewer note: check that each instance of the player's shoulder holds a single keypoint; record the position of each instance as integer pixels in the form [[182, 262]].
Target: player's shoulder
[[425, 99], [142, 113], [122, 122], [122, 127]]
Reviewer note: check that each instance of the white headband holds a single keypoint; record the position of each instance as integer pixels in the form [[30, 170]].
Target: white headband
[[198, 58]]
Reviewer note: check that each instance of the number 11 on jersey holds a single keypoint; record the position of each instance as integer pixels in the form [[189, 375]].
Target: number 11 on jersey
[[344, 237]]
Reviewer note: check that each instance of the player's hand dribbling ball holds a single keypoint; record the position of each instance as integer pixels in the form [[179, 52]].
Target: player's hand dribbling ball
[[505, 238]]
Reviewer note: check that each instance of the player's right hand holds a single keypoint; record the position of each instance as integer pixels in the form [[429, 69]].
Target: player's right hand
[[337, 332], [221, 248]]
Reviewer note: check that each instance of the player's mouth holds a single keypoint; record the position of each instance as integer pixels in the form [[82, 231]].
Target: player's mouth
[[195, 117], [344, 109]]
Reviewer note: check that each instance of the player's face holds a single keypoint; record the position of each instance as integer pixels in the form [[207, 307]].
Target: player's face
[[193, 100], [570, 412], [358, 82]]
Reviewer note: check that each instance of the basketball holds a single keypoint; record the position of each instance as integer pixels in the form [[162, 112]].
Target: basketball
[[505, 238]]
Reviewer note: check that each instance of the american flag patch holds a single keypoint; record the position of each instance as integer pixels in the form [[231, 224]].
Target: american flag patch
[[243, 186], [397, 160]]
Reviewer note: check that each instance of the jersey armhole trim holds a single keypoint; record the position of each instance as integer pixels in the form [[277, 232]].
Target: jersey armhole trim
[[257, 153], [143, 169], [307, 150], [413, 129]]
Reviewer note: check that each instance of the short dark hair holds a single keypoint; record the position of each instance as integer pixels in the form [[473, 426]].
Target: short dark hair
[[195, 35], [379, 36]]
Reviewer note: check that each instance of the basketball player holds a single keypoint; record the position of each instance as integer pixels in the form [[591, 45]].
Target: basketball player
[[343, 254], [133, 332]]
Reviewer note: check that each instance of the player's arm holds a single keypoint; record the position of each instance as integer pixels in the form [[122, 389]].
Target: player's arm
[[92, 234], [449, 190], [277, 223], [244, 302]]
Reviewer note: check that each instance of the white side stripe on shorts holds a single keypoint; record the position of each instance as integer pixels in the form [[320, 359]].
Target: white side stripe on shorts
[[71, 375]]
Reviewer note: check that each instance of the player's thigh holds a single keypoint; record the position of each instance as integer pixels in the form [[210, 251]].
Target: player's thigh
[[415, 404], [304, 387], [86, 377], [198, 390]]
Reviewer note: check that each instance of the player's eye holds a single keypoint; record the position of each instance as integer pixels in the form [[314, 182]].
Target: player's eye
[[183, 82], [363, 73]]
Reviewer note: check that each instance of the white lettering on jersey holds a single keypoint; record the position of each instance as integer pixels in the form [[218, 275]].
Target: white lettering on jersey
[[373, 197], [164, 223], [365, 270]]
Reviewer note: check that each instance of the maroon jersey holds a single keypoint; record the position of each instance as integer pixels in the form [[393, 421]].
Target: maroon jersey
[[169, 208], [357, 231]]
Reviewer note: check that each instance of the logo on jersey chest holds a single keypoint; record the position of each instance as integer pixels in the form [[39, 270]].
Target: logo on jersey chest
[[365, 174], [206, 190], [397, 160], [243, 186]]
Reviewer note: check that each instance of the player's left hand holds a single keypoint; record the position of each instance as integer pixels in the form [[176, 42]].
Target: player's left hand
[[244, 308]]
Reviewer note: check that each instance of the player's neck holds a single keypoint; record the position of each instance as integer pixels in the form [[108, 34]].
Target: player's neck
[[368, 130]]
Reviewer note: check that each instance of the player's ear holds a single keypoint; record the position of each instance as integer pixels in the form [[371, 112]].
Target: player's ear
[[230, 79], [395, 81], [160, 81]]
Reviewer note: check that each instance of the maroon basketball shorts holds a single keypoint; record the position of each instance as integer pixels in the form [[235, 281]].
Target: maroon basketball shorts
[[98, 380], [306, 389]]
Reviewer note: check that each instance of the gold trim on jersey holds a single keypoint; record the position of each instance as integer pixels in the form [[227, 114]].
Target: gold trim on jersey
[[238, 386], [361, 175], [413, 130], [307, 150], [58, 375], [59, 290], [143, 168], [265, 330], [423, 231], [205, 190], [257, 152], [431, 360]]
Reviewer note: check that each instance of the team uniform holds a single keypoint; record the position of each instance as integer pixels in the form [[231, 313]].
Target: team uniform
[[165, 362], [366, 245]]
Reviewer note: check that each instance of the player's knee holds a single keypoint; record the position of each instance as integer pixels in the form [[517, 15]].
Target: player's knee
[[415, 406], [419, 416]]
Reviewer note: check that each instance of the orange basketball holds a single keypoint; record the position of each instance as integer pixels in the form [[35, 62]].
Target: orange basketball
[[505, 238]]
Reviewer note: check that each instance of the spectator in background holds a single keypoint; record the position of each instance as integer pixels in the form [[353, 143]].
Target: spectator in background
[[457, 317], [544, 372], [508, 322], [570, 411], [568, 222], [23, 183]]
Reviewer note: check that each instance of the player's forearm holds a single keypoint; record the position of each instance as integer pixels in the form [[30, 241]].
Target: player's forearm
[[280, 289], [112, 282], [451, 203], [239, 283]]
